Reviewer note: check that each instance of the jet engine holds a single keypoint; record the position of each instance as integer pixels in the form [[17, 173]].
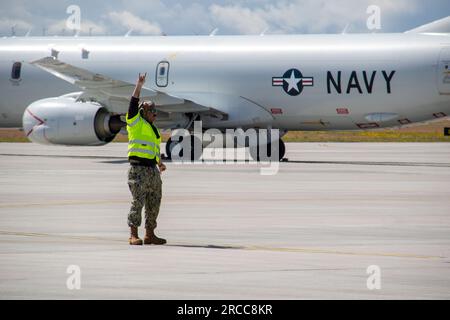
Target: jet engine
[[63, 120]]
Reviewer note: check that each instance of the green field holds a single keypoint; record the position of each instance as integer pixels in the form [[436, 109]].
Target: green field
[[370, 136], [432, 132]]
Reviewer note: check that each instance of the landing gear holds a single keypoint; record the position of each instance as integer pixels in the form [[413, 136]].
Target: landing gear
[[281, 150], [169, 147], [175, 151], [255, 151]]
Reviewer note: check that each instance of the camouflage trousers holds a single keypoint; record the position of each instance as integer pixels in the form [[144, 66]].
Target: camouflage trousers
[[146, 188]]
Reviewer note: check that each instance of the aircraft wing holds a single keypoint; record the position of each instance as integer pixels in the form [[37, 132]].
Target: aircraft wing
[[116, 93]]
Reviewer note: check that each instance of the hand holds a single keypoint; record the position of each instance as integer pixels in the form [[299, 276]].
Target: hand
[[141, 79], [162, 167]]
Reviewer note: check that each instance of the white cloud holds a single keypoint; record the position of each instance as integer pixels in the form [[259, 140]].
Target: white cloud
[[242, 20], [310, 16], [60, 28], [131, 21], [176, 17], [88, 26], [19, 25]]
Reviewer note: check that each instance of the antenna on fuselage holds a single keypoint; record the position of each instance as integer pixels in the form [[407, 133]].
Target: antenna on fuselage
[[214, 32], [346, 28], [264, 32]]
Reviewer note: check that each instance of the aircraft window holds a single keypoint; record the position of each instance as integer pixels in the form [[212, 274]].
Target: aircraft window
[[162, 74], [16, 69]]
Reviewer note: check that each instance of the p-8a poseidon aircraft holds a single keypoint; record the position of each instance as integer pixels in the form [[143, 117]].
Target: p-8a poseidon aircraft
[[74, 91]]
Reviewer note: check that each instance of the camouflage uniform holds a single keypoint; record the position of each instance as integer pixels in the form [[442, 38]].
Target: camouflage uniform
[[146, 188]]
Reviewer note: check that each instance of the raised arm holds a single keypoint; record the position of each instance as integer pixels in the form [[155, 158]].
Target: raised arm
[[140, 82], [134, 102]]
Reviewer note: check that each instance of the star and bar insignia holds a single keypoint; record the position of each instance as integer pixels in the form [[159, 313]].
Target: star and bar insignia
[[293, 82]]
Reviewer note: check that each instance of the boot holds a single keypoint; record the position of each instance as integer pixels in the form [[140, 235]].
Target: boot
[[151, 238], [134, 237]]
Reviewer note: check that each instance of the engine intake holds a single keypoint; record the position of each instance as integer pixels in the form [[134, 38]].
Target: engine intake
[[63, 120]]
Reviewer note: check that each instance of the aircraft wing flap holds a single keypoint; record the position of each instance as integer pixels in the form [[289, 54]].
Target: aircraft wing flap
[[98, 85], [191, 107]]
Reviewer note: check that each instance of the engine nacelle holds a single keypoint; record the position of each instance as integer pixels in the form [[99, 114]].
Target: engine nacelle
[[63, 120]]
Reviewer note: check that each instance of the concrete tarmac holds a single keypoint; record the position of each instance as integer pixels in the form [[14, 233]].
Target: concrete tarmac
[[309, 232]]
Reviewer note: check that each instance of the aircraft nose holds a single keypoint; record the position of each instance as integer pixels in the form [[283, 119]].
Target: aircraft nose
[[34, 127]]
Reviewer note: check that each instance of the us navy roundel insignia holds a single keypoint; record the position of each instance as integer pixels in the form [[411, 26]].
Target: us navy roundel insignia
[[293, 82]]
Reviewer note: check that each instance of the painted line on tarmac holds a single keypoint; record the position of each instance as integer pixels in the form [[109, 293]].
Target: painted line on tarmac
[[56, 236], [60, 203], [61, 156], [308, 250], [375, 163], [230, 247], [375, 254], [243, 161]]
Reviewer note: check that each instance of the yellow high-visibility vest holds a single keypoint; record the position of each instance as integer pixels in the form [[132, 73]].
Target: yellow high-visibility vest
[[142, 140]]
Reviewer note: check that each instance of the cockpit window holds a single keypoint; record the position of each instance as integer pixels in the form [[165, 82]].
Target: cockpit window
[[16, 69]]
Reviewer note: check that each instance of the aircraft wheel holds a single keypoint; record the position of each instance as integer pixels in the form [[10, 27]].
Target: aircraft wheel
[[282, 149], [170, 145], [254, 151]]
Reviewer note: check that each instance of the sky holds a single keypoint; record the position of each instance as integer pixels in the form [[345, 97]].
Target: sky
[[201, 17]]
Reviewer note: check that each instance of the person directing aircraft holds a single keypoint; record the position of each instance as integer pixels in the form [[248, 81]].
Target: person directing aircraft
[[144, 178]]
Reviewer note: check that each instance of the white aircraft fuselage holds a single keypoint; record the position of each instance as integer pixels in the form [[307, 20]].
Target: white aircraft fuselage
[[305, 82]]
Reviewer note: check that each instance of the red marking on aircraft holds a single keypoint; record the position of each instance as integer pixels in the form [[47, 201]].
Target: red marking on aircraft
[[276, 111], [342, 111], [40, 122]]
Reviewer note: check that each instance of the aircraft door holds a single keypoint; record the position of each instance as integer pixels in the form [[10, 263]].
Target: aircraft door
[[443, 76], [162, 74]]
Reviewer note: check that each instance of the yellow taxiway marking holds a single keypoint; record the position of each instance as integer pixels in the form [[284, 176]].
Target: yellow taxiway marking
[[56, 236], [326, 251], [60, 203], [232, 247]]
